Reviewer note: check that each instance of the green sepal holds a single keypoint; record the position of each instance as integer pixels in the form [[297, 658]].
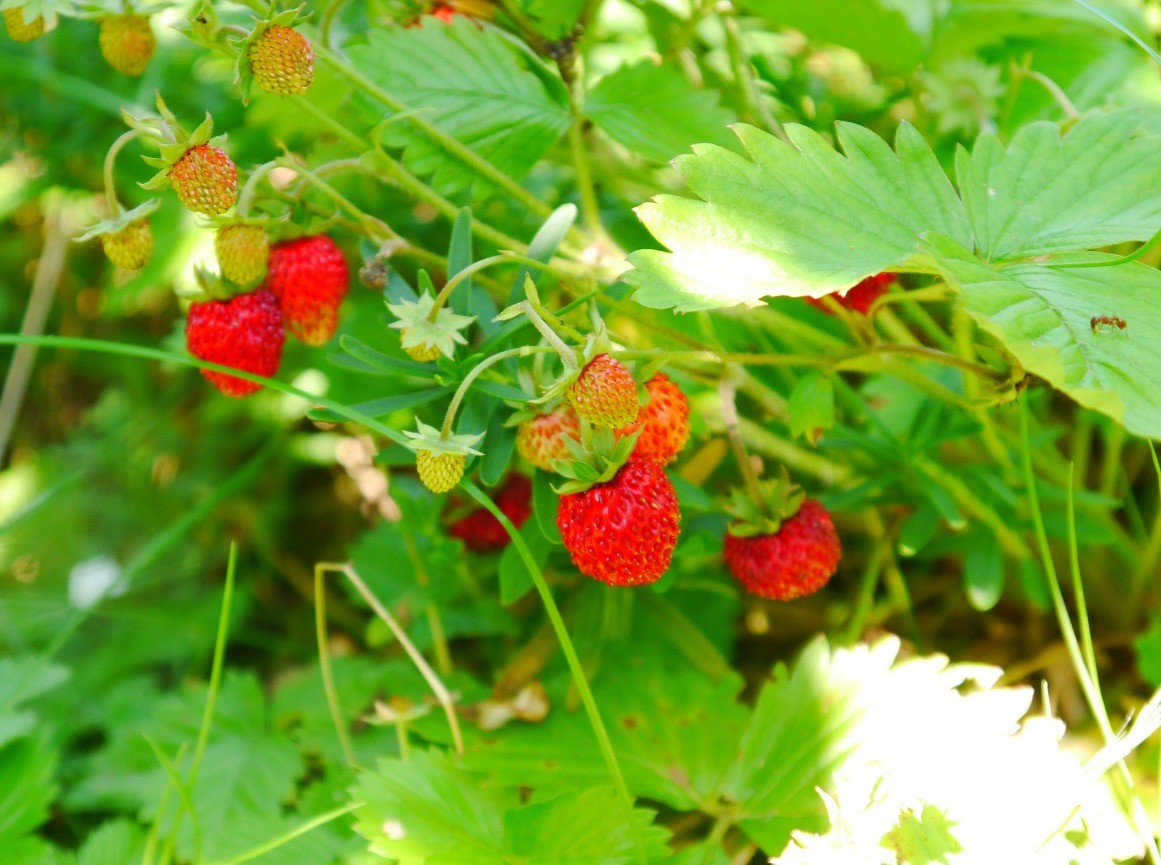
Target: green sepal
[[117, 223], [171, 151], [428, 438], [780, 500], [49, 11], [596, 465]]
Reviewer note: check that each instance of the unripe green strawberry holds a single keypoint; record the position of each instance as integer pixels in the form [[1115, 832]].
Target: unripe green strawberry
[[797, 560], [127, 42], [541, 439], [440, 472], [130, 247], [205, 180], [623, 531], [604, 393], [242, 251], [21, 31], [282, 61], [663, 422], [423, 353]]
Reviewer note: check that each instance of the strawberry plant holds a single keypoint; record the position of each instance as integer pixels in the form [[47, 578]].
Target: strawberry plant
[[710, 433]]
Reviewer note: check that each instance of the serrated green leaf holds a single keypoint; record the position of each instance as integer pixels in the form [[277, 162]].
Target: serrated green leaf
[[427, 811], [652, 110], [1047, 193], [812, 406], [922, 839], [113, 843], [471, 83], [27, 767], [797, 222], [1043, 315]]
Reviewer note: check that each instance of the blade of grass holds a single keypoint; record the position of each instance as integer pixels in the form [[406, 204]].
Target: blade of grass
[[296, 832], [183, 792], [324, 659]]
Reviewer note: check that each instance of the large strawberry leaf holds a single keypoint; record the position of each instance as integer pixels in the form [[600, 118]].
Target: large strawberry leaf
[[653, 111], [473, 85], [428, 812], [809, 220], [1047, 193], [805, 221], [1044, 314]]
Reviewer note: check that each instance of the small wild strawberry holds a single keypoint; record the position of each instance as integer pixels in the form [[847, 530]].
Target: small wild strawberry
[[127, 42], [205, 180], [244, 332], [541, 439], [481, 532], [242, 250], [623, 531], [604, 393], [309, 276], [23, 30], [440, 472], [663, 422], [796, 560], [440, 459], [282, 61], [130, 247], [860, 297]]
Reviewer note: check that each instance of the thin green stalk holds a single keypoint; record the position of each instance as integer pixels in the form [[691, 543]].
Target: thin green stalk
[[452, 145], [475, 267], [443, 658], [127, 350], [297, 832], [1104, 16], [569, 356], [744, 75], [250, 188], [215, 669], [453, 407], [1111, 464], [183, 792], [728, 392], [162, 806], [430, 676], [115, 208], [1078, 592], [324, 659], [872, 572], [566, 645], [1088, 687], [375, 228]]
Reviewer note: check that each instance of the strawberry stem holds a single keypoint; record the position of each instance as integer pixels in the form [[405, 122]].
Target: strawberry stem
[[450, 416], [568, 356], [729, 393], [375, 228], [115, 208], [246, 197]]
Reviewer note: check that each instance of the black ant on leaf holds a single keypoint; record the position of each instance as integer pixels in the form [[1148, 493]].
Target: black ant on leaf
[[1099, 322]]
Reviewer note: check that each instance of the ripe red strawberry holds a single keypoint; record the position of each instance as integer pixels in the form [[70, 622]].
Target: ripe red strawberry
[[242, 250], [859, 298], [309, 276], [282, 61], [604, 393], [622, 532], [482, 532], [127, 42], [130, 247], [540, 440], [205, 180], [797, 560], [444, 13], [21, 31], [663, 421], [244, 332]]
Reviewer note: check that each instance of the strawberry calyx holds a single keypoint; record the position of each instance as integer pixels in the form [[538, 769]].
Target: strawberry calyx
[[780, 500], [175, 141], [421, 336], [595, 463], [428, 438], [119, 222], [47, 12]]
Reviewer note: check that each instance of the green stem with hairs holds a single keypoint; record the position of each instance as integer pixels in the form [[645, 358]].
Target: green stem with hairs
[[574, 665], [115, 208], [250, 189], [298, 831], [462, 391]]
